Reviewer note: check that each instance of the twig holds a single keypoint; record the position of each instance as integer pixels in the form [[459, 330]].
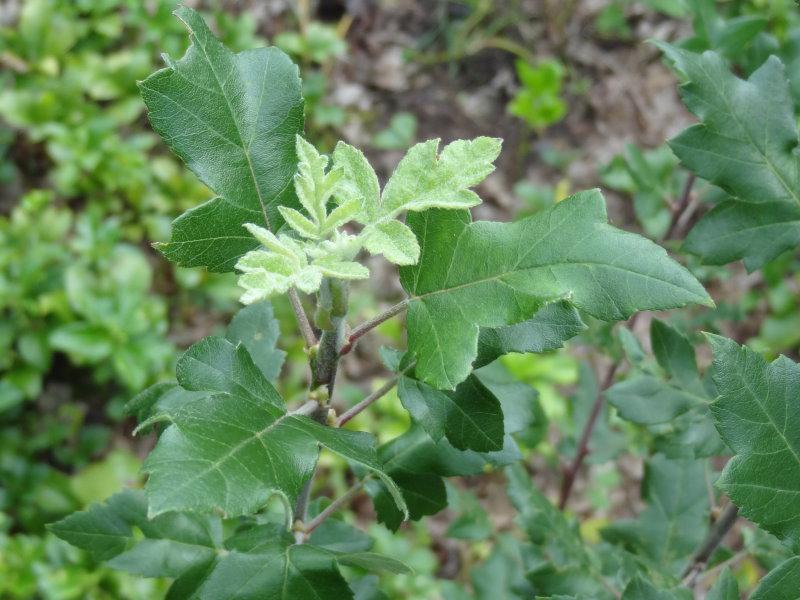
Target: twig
[[679, 209], [333, 507], [302, 319], [306, 409], [373, 397], [571, 472], [368, 326], [714, 538]]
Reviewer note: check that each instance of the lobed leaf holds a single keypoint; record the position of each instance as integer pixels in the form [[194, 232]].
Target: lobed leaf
[[233, 119], [746, 143], [568, 251]]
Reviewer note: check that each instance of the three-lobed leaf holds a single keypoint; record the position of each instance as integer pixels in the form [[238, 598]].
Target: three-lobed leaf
[[485, 274], [231, 444], [233, 119], [746, 143]]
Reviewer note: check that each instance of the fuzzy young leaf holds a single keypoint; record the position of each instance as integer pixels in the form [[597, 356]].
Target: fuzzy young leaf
[[359, 180], [233, 119], [567, 251], [747, 144], [394, 240], [426, 180], [758, 415], [233, 446]]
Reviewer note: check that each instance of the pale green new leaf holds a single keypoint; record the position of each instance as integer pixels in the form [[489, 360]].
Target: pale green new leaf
[[758, 415], [486, 274], [233, 446], [313, 185], [746, 143], [299, 223], [233, 119], [359, 180], [267, 274], [394, 240], [425, 179], [332, 266]]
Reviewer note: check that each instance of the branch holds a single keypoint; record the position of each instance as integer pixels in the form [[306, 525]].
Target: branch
[[571, 472], [302, 319], [368, 326], [679, 209], [333, 507], [714, 538], [373, 397]]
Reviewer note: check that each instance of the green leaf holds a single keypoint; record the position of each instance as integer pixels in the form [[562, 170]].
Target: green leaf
[[424, 179], [675, 520], [471, 416], [258, 563], [234, 446], [331, 266], [233, 119], [371, 561], [675, 408], [758, 416], [359, 180], [416, 463], [394, 240], [256, 327], [302, 225], [565, 564], [169, 544], [781, 583], [83, 342], [725, 588], [639, 589], [568, 251], [549, 328], [746, 143]]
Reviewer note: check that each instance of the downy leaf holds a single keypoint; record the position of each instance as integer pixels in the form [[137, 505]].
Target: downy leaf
[[746, 143], [568, 251], [233, 119], [394, 240], [232, 446], [758, 415], [424, 179]]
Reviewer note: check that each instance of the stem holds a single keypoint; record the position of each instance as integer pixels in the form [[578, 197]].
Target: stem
[[679, 209], [330, 317], [302, 319], [571, 472], [714, 538], [373, 397], [333, 507], [368, 326]]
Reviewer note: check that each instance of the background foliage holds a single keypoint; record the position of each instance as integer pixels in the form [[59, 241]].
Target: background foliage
[[91, 314]]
